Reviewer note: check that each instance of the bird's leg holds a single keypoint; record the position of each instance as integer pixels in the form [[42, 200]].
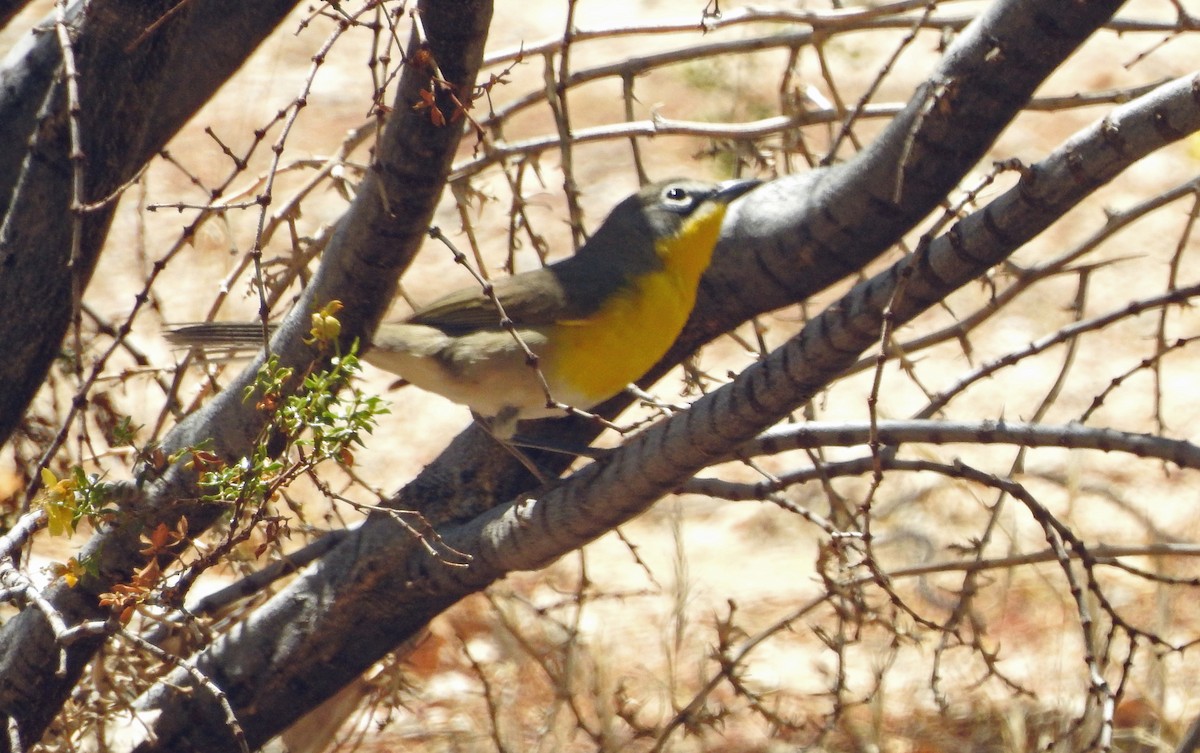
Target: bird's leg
[[562, 448], [501, 429]]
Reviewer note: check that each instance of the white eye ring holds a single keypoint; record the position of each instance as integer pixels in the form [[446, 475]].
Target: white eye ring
[[678, 197]]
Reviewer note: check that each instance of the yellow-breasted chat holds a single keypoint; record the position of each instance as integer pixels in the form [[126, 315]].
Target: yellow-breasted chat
[[595, 321]]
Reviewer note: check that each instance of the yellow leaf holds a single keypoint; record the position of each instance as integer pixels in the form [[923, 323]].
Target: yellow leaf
[[58, 518]]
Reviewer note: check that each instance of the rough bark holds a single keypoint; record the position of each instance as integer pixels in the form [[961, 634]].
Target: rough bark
[[373, 243], [380, 586], [138, 85]]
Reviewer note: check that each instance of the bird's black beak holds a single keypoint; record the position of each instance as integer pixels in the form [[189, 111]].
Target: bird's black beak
[[729, 190]]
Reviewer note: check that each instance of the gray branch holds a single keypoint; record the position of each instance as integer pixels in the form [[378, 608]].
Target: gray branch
[[788, 240], [890, 434], [372, 245], [139, 83]]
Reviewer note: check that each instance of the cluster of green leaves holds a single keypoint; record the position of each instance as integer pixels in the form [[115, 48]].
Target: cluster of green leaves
[[323, 419]]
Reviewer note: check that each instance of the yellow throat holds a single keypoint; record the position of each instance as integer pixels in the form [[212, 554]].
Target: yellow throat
[[593, 359]]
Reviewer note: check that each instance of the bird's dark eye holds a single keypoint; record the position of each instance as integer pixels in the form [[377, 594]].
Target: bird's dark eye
[[677, 198]]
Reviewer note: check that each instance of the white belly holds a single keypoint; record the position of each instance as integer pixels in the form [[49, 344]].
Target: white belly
[[487, 371]]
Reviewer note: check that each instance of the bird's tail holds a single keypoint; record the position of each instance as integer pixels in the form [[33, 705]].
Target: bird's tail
[[219, 335]]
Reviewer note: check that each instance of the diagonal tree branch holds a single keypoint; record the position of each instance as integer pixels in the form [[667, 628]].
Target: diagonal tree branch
[[528, 533], [139, 83], [794, 236], [372, 244], [829, 223], [840, 219]]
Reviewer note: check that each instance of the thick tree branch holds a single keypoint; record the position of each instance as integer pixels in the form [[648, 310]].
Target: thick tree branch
[[528, 533], [138, 84], [834, 223], [793, 237], [373, 243], [828, 223]]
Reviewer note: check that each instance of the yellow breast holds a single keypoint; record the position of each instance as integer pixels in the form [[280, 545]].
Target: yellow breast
[[588, 361]]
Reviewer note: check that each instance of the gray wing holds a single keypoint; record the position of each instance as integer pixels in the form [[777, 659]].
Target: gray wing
[[533, 298]]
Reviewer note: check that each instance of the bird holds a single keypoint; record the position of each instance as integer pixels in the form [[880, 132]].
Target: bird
[[594, 322]]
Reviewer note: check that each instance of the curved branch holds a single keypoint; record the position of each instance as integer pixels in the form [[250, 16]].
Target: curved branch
[[501, 151], [372, 244], [891, 434], [138, 83], [787, 240], [530, 532]]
